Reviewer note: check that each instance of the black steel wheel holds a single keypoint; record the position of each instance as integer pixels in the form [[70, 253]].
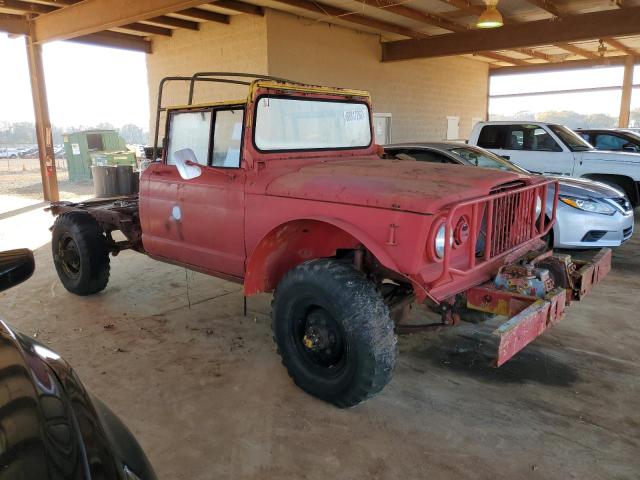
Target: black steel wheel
[[80, 253], [333, 332]]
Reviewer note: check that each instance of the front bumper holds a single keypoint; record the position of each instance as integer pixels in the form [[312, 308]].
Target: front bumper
[[529, 316]]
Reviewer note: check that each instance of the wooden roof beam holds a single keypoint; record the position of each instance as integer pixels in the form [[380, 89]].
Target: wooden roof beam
[[503, 58], [40, 8], [27, 7], [205, 15], [115, 40], [577, 51], [618, 45], [92, 16], [560, 66], [241, 7], [173, 22], [465, 6], [352, 17], [441, 22], [608, 23], [418, 15], [533, 53], [547, 6], [14, 24], [146, 28]]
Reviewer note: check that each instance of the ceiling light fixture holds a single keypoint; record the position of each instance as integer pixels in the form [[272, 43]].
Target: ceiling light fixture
[[491, 17], [602, 48]]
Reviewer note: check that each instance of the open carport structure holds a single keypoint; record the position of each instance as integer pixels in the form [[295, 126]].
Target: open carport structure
[[425, 63], [195, 377]]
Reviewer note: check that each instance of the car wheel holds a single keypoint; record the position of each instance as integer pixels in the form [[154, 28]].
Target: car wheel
[[333, 332], [80, 253]]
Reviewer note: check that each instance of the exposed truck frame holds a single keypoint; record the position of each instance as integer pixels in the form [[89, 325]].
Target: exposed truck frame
[[344, 240]]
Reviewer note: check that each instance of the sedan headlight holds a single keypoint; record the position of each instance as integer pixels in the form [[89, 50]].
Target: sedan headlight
[[588, 205], [438, 246]]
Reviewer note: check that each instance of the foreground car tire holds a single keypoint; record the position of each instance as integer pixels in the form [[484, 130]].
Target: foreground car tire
[[333, 332], [80, 253]]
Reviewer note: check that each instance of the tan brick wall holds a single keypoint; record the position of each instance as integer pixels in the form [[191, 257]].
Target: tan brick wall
[[240, 46], [419, 94]]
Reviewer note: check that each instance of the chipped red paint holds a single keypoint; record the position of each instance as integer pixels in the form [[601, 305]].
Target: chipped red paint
[[529, 316], [254, 223], [592, 273]]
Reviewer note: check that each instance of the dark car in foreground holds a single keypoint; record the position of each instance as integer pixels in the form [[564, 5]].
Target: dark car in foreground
[[51, 427]]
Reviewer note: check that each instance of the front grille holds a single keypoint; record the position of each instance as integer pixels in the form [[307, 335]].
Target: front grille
[[593, 235], [512, 221], [503, 187], [624, 203]]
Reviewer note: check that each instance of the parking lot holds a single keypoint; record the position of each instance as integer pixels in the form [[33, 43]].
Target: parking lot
[[203, 390]]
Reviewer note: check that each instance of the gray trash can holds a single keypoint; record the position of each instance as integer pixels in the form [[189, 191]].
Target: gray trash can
[[126, 179], [105, 182]]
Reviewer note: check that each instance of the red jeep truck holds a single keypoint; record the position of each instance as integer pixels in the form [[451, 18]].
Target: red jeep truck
[[284, 191]]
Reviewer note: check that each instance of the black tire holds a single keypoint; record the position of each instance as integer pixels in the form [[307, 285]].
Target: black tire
[[333, 332], [548, 239], [627, 187], [80, 253]]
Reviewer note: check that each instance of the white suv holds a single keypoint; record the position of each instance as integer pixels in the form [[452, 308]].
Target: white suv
[[556, 150]]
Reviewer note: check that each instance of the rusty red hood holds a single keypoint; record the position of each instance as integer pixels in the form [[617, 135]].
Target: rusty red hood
[[395, 184]]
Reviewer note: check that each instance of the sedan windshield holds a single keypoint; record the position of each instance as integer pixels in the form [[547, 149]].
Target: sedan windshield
[[571, 139], [482, 158], [311, 124]]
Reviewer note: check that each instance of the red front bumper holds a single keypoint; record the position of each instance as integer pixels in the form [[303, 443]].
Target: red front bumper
[[529, 316]]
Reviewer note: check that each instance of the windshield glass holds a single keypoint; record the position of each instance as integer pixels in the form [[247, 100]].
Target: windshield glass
[[485, 159], [571, 139], [303, 124]]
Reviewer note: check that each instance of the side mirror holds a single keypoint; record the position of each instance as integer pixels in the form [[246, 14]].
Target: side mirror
[[16, 266], [187, 163]]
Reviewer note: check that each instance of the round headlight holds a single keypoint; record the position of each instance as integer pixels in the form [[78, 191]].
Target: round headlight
[[438, 246], [538, 206]]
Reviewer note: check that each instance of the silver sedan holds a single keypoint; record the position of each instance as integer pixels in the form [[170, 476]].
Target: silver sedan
[[589, 214]]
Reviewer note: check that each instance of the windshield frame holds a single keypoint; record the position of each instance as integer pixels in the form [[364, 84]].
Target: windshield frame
[[256, 102], [561, 128], [493, 156]]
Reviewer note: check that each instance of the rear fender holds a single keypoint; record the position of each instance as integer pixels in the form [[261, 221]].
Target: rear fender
[[297, 241]]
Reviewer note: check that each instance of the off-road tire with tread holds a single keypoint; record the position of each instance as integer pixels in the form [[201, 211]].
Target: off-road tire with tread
[[354, 304], [92, 273]]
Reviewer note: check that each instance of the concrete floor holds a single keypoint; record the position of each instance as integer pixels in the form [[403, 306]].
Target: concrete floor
[[204, 392]]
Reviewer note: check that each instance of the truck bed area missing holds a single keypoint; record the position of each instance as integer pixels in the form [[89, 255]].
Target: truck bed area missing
[[112, 214]]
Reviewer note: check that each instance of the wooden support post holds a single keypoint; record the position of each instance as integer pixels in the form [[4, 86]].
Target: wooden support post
[[627, 84], [43, 125]]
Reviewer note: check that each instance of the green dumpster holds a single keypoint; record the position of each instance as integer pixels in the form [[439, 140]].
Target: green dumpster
[[94, 147]]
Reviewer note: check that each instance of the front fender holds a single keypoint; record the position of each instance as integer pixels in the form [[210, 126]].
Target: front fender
[[300, 240]]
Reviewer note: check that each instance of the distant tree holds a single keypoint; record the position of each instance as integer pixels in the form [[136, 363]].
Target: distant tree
[[134, 134], [522, 116], [568, 118], [600, 120], [22, 133], [57, 133], [104, 126]]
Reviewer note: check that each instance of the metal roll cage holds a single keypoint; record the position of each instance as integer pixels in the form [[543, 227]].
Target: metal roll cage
[[215, 77]]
